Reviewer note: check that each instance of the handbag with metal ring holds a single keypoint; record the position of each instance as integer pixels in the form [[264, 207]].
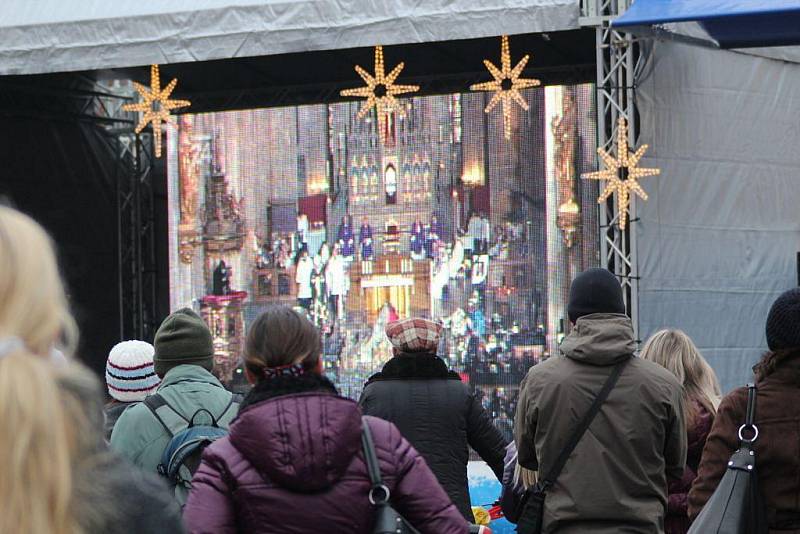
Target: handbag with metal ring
[[737, 506], [387, 519]]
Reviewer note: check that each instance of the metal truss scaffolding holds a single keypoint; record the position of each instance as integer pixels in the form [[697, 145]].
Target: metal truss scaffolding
[[136, 234], [616, 65], [136, 250]]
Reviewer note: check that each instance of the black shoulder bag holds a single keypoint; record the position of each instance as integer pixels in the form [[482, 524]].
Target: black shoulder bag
[[530, 521], [736, 506], [387, 520]]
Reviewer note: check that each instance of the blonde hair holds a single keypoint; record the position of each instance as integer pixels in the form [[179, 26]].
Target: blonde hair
[[39, 443], [33, 306], [675, 351], [524, 476], [37, 447]]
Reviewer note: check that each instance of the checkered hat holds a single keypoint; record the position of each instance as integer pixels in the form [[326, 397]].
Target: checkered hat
[[414, 335]]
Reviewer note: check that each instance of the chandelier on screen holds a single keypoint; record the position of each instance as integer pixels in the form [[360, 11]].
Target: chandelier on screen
[[622, 173], [380, 91], [506, 85], [155, 105]]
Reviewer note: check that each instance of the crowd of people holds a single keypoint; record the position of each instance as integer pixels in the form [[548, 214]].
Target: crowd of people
[[647, 437]]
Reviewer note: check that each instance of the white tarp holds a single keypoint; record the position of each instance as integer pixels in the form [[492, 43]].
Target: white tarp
[[66, 35], [718, 237]]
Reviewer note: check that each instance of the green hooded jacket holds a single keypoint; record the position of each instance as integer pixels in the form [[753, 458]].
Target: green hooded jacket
[[141, 438], [616, 478]]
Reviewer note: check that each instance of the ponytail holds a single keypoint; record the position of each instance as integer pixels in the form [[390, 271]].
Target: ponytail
[[36, 448]]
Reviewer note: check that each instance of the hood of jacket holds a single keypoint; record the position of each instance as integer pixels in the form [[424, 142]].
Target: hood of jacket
[[298, 432], [600, 339]]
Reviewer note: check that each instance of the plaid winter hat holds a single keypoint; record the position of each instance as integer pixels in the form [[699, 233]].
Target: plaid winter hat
[[130, 376], [414, 335]]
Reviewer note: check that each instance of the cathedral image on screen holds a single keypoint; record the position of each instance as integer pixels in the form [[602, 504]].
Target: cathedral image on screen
[[305, 206]]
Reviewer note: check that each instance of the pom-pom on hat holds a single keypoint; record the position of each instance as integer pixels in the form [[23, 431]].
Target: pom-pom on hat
[[130, 375], [783, 321], [414, 335]]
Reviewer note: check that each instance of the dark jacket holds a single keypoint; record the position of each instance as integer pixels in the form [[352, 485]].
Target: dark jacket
[[114, 497], [777, 447], [440, 416], [293, 464], [616, 479], [112, 412], [677, 521]]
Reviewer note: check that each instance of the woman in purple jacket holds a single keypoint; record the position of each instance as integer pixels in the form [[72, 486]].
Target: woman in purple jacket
[[293, 461]]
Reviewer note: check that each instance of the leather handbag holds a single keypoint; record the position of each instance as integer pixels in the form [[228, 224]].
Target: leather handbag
[[387, 519], [737, 506], [532, 517]]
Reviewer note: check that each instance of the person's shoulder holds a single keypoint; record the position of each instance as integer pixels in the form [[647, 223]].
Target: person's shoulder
[[135, 415]]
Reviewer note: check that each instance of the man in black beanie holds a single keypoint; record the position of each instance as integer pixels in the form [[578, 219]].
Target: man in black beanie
[[184, 358], [615, 480]]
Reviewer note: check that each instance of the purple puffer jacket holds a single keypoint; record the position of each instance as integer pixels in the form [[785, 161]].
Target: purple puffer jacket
[[293, 464]]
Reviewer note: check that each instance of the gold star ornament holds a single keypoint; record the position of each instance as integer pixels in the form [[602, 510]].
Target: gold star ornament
[[155, 105], [621, 173], [380, 91], [506, 85]]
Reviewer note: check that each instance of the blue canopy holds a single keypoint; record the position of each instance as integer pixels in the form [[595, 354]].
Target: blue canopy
[[732, 23]]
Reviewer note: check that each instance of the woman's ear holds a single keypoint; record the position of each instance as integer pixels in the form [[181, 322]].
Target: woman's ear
[[320, 367], [251, 378]]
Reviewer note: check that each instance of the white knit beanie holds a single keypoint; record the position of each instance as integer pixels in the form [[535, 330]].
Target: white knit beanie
[[130, 376]]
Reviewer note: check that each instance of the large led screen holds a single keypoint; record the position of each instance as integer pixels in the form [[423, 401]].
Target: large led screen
[[438, 216]]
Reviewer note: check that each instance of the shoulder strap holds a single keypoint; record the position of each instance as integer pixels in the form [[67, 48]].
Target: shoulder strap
[[750, 418], [576, 436], [170, 419], [373, 467]]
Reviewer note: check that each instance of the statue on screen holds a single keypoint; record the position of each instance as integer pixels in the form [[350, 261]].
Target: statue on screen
[[365, 241], [432, 237], [221, 284], [417, 240], [346, 238]]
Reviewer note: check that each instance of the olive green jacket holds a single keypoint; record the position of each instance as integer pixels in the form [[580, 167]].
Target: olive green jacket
[[141, 438], [616, 478]]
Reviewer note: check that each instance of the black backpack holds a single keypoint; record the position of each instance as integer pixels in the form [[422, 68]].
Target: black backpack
[[188, 438]]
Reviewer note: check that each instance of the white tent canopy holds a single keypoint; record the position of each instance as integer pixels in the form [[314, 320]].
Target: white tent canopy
[[38, 36]]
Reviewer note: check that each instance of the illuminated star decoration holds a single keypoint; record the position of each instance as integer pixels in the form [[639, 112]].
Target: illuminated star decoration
[[506, 85], [622, 173], [380, 91], [155, 105]]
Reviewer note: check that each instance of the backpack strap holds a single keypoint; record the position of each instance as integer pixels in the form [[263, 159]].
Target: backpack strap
[[170, 419], [550, 478], [227, 414]]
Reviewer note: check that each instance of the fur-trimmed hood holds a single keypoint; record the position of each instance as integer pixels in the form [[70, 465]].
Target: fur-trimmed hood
[[415, 366]]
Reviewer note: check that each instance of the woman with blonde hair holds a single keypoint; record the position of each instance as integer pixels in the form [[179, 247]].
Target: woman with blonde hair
[[675, 351], [43, 442], [37, 447]]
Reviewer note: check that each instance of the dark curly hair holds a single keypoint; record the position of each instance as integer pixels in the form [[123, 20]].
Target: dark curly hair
[[773, 359]]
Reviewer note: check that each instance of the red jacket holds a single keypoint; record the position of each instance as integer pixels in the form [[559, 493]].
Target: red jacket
[[293, 464]]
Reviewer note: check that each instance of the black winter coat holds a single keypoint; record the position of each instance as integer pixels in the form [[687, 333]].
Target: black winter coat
[[439, 416]]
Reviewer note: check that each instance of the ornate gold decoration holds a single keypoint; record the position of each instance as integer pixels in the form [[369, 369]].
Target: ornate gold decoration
[[506, 85], [622, 173], [380, 91], [155, 105]]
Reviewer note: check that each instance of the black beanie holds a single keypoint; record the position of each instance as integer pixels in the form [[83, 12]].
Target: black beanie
[[183, 338], [783, 321], [594, 291]]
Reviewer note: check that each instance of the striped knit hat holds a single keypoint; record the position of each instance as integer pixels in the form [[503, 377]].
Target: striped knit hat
[[130, 376]]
